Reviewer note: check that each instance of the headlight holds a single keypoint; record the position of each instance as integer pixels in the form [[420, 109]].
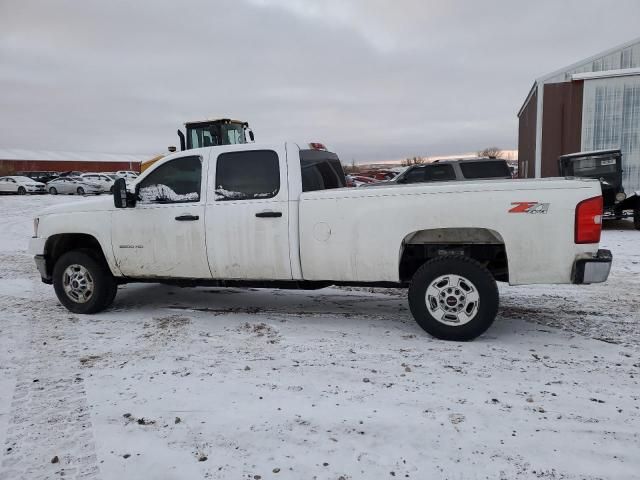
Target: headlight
[[36, 222], [620, 196]]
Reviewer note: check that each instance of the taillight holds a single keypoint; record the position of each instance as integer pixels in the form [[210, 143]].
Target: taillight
[[589, 220]]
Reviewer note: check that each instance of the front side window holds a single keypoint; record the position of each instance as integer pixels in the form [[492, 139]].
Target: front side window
[[415, 175], [247, 175], [176, 181], [439, 173]]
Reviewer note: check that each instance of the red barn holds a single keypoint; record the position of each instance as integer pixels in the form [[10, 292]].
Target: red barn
[[18, 160]]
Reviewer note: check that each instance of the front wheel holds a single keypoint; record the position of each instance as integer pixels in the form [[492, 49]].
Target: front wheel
[[80, 191], [22, 191], [454, 298], [53, 191], [636, 218], [83, 282]]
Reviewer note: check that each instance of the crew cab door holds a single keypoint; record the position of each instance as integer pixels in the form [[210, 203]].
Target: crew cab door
[[163, 236], [248, 215]]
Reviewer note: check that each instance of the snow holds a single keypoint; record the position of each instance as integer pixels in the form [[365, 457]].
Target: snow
[[163, 193], [338, 383]]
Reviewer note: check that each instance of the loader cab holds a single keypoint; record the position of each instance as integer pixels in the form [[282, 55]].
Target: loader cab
[[209, 133]]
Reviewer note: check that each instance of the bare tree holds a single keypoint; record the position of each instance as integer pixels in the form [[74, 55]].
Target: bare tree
[[491, 152], [407, 162]]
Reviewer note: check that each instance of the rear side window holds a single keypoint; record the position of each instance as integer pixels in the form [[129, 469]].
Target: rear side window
[[247, 175], [491, 169], [176, 181], [321, 170], [430, 173]]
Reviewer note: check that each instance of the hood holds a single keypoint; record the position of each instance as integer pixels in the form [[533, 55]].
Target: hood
[[100, 204]]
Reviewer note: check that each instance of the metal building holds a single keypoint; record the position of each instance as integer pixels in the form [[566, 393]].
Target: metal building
[[591, 105]]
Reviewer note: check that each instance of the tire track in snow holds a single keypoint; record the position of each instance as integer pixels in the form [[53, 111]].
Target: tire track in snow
[[49, 434]]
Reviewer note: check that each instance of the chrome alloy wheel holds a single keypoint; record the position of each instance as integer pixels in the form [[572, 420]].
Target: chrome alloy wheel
[[452, 300], [78, 283]]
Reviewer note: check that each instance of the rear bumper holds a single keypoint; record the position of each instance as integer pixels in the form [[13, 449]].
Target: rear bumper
[[592, 270]]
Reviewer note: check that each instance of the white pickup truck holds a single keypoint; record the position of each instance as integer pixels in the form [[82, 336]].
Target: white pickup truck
[[278, 216]]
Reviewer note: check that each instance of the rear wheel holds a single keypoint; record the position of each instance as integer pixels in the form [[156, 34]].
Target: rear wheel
[[83, 282], [454, 298], [22, 191], [636, 218], [80, 191], [53, 191]]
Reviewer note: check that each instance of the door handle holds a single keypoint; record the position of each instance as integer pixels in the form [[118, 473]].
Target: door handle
[[268, 214], [187, 218]]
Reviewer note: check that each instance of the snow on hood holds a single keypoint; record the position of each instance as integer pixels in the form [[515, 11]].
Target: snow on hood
[[99, 204]]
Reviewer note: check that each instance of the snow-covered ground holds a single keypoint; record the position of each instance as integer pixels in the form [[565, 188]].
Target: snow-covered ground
[[339, 384]]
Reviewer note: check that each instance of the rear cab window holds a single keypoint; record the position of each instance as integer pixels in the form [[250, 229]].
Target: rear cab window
[[321, 170]]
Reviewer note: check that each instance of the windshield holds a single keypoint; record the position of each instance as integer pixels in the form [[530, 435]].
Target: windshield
[[233, 133]]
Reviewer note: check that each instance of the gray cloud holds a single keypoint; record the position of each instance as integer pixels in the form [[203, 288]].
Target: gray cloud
[[373, 79]]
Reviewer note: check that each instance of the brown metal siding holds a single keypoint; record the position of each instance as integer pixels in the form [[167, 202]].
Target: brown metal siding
[[9, 167], [561, 123], [527, 138]]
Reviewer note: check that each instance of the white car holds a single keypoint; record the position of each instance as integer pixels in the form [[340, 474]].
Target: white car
[[277, 215], [20, 185], [104, 180], [73, 185], [127, 174]]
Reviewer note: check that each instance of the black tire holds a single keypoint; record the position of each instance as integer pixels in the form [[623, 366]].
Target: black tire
[[53, 191], [636, 218], [486, 308], [104, 285], [22, 191], [80, 191]]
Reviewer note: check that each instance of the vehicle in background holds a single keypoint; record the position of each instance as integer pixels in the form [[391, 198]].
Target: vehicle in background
[[73, 185], [105, 181], [452, 170], [127, 174], [39, 176], [379, 175], [20, 185], [70, 173], [605, 166], [276, 215], [359, 180]]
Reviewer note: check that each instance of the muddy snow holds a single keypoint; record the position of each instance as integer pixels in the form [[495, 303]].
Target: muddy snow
[[216, 383]]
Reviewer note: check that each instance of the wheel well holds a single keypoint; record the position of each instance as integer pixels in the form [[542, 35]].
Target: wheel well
[[57, 245], [484, 245]]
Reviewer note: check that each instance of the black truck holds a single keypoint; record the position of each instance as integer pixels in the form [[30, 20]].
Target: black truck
[[606, 166]]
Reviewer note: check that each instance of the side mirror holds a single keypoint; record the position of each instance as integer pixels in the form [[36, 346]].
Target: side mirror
[[121, 198], [251, 135]]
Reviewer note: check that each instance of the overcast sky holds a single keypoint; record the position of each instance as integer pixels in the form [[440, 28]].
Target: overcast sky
[[373, 79]]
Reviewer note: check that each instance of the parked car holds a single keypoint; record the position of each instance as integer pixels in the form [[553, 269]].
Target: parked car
[[73, 185], [129, 174], [275, 215], [105, 181], [20, 185], [39, 176], [70, 173], [605, 166], [452, 170]]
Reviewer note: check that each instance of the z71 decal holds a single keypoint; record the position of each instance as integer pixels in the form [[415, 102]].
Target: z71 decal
[[529, 207]]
